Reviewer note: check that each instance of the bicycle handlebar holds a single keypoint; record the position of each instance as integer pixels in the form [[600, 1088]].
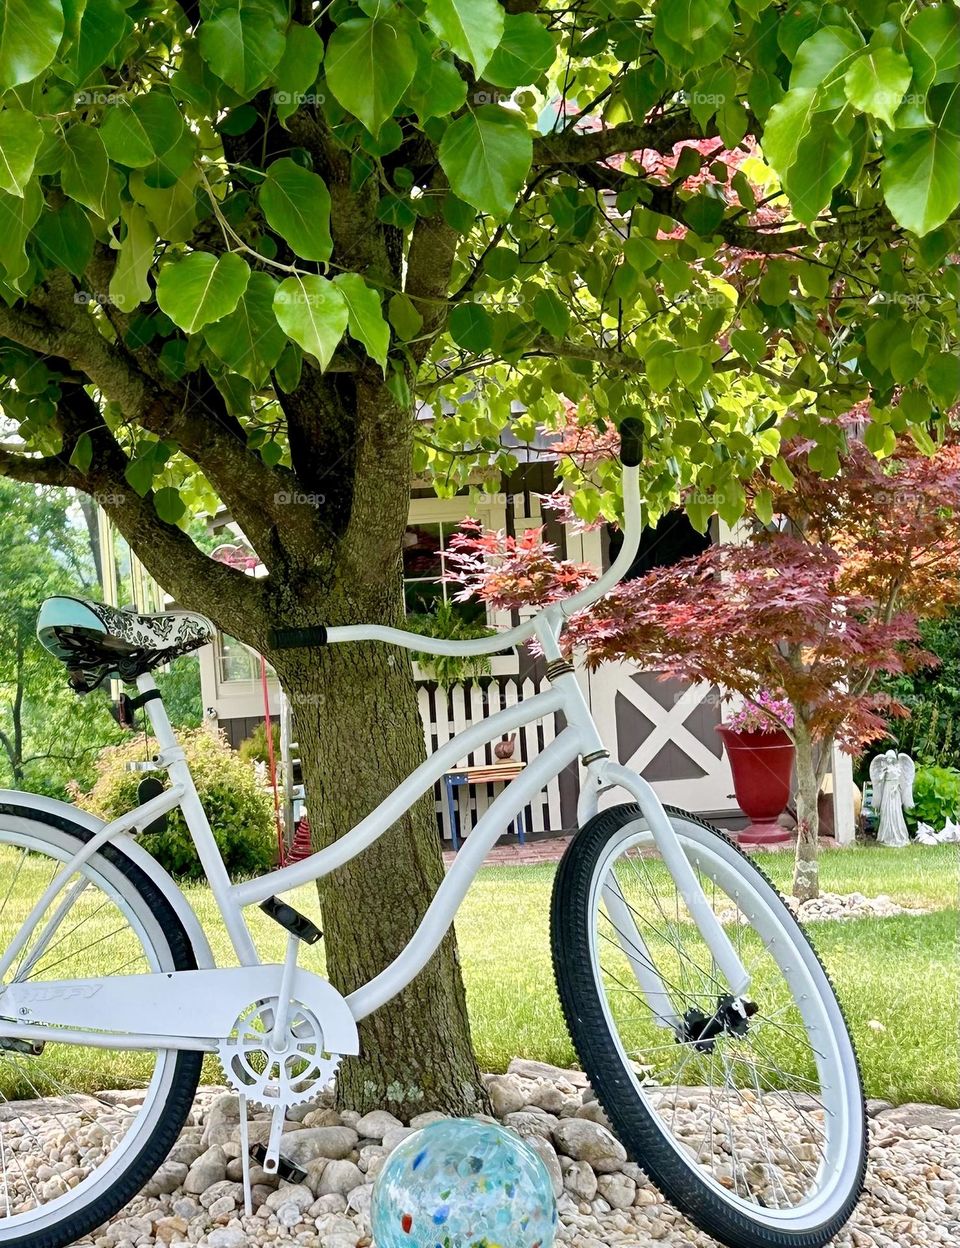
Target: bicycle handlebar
[[320, 635]]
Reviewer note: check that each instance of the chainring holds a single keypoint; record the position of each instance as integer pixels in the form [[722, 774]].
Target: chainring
[[267, 1076]]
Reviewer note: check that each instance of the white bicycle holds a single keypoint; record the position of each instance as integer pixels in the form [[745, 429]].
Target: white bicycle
[[706, 1023]]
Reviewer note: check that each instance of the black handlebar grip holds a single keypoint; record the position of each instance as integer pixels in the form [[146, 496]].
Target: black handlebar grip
[[631, 442], [296, 638]]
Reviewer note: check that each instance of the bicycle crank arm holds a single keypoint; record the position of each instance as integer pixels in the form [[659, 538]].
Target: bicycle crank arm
[[203, 1007]]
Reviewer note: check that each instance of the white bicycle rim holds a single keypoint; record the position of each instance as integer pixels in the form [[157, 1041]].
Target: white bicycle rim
[[39, 837], [825, 1027]]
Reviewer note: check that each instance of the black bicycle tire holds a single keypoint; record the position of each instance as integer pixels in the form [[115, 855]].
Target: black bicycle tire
[[186, 1077], [632, 1120]]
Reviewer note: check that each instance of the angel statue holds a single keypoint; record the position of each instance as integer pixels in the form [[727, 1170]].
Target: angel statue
[[891, 775]]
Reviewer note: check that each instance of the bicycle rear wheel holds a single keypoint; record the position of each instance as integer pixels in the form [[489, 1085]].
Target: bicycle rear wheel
[[82, 1129], [750, 1121]]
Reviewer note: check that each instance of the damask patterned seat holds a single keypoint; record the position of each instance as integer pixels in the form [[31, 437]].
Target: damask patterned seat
[[98, 642]]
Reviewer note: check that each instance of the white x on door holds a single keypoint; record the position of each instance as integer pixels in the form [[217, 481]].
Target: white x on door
[[667, 731]]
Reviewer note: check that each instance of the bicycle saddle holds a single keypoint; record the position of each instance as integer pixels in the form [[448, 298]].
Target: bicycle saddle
[[98, 642]]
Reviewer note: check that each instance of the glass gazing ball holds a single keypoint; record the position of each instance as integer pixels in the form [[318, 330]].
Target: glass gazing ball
[[461, 1183]]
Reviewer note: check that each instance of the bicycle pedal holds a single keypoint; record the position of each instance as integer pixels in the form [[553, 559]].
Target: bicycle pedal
[[291, 920], [285, 1170]]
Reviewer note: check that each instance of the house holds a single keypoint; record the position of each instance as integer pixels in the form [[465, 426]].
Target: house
[[664, 729]]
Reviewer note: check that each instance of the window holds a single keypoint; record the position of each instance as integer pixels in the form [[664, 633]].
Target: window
[[235, 662], [425, 546], [431, 524]]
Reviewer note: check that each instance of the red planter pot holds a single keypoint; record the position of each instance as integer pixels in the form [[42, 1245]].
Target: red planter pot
[[762, 764]]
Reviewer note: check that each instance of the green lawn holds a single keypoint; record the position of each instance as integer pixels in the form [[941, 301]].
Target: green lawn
[[898, 978], [900, 972]]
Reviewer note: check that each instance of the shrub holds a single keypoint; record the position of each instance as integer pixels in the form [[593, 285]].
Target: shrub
[[255, 750], [936, 796], [240, 812]]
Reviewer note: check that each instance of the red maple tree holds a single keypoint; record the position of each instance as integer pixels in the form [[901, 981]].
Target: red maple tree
[[811, 607]]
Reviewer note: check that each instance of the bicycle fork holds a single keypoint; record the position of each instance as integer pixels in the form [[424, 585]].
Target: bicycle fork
[[603, 774]]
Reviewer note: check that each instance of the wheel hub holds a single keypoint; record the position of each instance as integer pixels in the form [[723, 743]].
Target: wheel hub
[[731, 1016]]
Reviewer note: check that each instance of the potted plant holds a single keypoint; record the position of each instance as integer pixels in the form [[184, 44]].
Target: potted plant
[[761, 758]]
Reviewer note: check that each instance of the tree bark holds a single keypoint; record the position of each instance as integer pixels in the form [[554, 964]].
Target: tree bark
[[806, 874], [358, 727]]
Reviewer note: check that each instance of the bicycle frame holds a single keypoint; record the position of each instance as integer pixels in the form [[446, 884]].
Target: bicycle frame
[[579, 739]]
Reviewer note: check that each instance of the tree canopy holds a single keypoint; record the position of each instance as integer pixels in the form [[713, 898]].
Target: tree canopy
[[207, 207]]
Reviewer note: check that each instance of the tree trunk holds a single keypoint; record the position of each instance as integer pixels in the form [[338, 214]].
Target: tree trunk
[[806, 875], [359, 731]]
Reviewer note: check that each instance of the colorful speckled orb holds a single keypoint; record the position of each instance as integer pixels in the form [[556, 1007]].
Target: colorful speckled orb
[[464, 1184]]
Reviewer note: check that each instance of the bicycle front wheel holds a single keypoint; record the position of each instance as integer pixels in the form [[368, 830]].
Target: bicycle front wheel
[[749, 1116], [82, 1128]]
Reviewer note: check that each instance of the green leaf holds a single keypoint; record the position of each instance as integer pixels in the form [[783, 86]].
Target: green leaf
[[18, 213], [552, 313], [642, 253], [763, 506], [526, 50], [487, 155], [20, 139], [296, 204], [369, 66], [149, 132], [365, 316], [102, 25], [243, 42], [703, 213], [787, 124], [30, 33], [81, 457], [85, 168], [471, 327], [249, 340], [750, 344], [642, 87], [169, 505], [201, 288], [920, 178], [775, 285], [404, 317], [821, 62], [173, 209], [876, 81], [65, 237], [297, 70], [782, 473], [932, 43], [823, 157], [313, 312], [286, 372], [139, 473], [472, 28], [691, 22], [128, 282], [437, 88]]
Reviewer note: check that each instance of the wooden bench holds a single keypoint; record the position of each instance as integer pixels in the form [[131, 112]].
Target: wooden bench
[[492, 773]]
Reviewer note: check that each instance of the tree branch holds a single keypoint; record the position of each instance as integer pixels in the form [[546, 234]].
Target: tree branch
[[196, 581], [587, 147]]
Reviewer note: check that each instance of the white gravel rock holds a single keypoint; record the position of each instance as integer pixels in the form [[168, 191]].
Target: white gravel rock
[[228, 1237], [375, 1126], [312, 1143], [340, 1178], [912, 1197], [588, 1141], [209, 1168]]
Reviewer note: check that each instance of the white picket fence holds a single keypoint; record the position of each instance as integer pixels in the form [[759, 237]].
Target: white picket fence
[[446, 714]]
